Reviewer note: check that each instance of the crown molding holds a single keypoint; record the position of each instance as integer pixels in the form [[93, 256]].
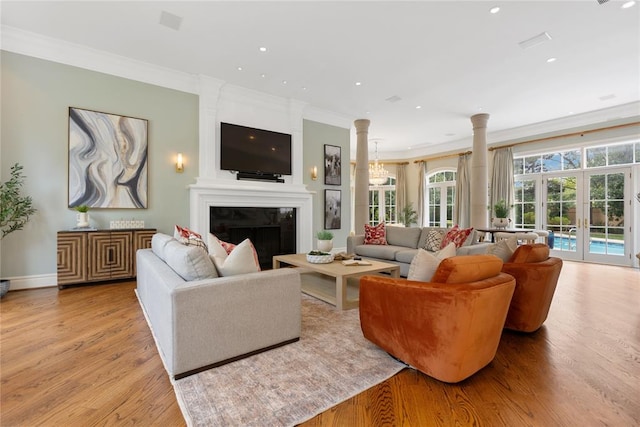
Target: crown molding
[[327, 117], [55, 50]]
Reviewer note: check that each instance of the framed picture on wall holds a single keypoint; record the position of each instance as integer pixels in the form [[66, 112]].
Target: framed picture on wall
[[332, 210], [107, 160], [332, 165]]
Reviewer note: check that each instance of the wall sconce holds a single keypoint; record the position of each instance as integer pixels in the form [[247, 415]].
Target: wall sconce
[[179, 163], [314, 173]]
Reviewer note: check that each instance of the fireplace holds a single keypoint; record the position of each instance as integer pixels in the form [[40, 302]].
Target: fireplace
[[271, 230]]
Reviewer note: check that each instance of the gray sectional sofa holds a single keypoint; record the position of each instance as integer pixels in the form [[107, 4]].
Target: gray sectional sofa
[[199, 324], [403, 244]]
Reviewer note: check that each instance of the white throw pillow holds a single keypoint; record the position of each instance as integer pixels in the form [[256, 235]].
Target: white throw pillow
[[242, 259], [158, 243], [424, 264], [504, 249]]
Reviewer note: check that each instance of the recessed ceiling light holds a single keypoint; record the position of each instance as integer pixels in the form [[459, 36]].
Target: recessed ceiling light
[[263, 75], [239, 68], [358, 83], [494, 10], [418, 107], [552, 60], [628, 4], [263, 49], [304, 88], [284, 82]]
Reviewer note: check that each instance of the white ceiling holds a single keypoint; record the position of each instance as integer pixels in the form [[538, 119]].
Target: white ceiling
[[453, 58]]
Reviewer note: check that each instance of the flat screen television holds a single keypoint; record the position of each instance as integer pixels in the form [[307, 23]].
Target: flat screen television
[[255, 151]]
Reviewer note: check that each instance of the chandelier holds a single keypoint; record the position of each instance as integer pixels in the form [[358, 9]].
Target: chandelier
[[377, 173]]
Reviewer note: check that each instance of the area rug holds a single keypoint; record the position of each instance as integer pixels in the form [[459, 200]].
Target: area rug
[[288, 385]]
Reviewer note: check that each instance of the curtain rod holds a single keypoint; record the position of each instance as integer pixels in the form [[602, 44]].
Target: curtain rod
[[384, 163], [444, 156], [566, 135]]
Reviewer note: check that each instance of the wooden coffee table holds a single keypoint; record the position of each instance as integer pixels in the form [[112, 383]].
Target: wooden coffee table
[[340, 272]]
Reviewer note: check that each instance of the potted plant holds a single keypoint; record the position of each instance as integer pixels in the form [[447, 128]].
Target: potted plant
[[83, 216], [501, 211], [408, 215], [15, 210], [325, 240]]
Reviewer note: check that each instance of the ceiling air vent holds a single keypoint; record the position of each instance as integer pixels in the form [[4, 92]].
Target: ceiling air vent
[[394, 98], [602, 1], [534, 41]]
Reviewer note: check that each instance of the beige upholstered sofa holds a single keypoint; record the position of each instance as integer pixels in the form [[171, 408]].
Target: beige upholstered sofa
[[199, 324], [403, 244]]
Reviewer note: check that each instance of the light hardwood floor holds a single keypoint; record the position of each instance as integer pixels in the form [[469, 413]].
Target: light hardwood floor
[[84, 356]]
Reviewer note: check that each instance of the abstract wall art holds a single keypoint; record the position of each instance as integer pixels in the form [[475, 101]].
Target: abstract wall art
[[107, 160]]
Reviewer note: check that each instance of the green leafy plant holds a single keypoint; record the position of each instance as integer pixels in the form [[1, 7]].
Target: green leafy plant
[[15, 209], [82, 208], [324, 235], [408, 215], [501, 209]]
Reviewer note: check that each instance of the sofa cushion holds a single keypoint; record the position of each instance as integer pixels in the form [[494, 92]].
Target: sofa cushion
[[241, 260], [375, 235], [189, 262], [469, 268], [406, 255], [425, 264], [456, 235], [403, 236], [378, 251], [536, 252], [158, 244]]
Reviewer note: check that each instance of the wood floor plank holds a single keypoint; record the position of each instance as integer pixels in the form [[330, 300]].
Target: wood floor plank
[[85, 356]]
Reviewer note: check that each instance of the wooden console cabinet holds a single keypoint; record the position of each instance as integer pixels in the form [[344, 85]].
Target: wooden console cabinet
[[91, 256]]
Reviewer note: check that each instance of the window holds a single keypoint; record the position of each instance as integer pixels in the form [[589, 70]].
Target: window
[[612, 155], [441, 194], [382, 202], [549, 162]]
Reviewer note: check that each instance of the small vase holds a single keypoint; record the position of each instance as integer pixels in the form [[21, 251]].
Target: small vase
[[501, 222], [325, 245], [82, 219]]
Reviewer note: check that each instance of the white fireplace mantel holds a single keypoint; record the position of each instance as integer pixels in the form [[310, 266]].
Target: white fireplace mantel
[[253, 194]]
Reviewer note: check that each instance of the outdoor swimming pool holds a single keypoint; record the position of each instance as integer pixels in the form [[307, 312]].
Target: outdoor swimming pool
[[596, 246]]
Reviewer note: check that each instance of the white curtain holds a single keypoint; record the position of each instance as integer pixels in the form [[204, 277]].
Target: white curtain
[[502, 181], [401, 187], [462, 211]]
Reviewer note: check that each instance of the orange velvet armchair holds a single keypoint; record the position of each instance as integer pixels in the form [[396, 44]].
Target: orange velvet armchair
[[536, 277], [448, 328]]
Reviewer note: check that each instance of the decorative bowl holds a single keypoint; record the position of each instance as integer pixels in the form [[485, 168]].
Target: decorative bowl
[[320, 259]]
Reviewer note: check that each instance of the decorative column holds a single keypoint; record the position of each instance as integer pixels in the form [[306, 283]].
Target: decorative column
[[361, 213], [479, 187]]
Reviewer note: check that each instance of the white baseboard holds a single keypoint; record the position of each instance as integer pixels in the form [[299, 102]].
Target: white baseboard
[[33, 282]]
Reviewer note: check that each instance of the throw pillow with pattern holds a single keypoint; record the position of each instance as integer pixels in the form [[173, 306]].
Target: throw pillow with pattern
[[434, 240], [456, 235], [375, 234], [189, 237]]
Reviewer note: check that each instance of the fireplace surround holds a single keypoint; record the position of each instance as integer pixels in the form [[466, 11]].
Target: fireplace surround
[[243, 194]]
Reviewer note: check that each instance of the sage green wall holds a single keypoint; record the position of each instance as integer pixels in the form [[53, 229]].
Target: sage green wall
[[36, 95], [315, 135]]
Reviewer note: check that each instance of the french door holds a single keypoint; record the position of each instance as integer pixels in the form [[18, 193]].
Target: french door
[[587, 211]]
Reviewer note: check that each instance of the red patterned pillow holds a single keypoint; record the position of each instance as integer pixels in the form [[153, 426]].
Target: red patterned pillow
[[375, 235], [456, 235], [188, 237]]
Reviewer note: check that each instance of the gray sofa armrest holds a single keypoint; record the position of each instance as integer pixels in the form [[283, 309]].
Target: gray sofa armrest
[[353, 241]]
